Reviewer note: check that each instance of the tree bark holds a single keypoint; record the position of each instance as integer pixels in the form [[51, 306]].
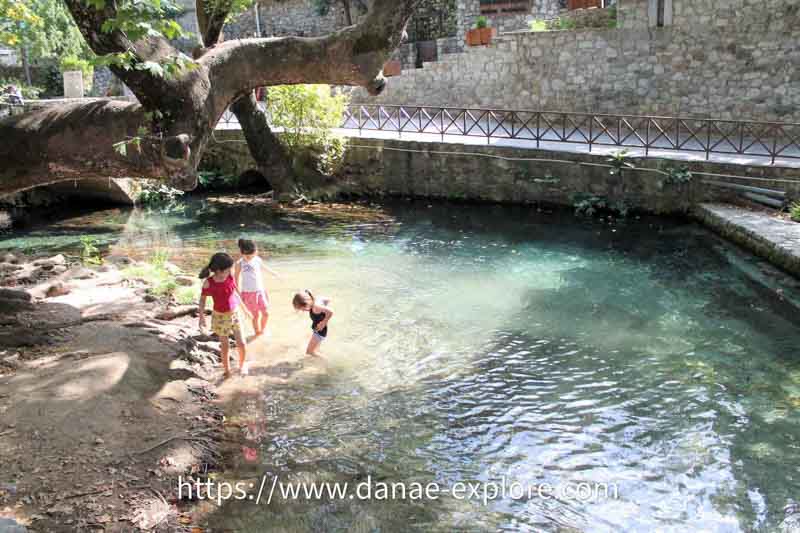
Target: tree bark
[[73, 141], [265, 147], [348, 17]]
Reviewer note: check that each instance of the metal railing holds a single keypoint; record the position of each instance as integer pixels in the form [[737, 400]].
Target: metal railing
[[539, 129], [710, 136]]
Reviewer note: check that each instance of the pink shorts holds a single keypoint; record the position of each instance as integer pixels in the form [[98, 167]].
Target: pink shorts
[[255, 301]]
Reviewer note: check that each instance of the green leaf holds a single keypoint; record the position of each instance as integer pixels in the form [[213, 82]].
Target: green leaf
[[154, 68], [121, 148]]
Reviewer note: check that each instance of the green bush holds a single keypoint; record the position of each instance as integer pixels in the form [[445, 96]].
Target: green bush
[[538, 25], [72, 62], [481, 22], [676, 175], [307, 113], [210, 180], [794, 211], [157, 194], [566, 23]]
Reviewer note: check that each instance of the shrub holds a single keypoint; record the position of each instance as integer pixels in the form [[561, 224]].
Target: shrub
[[566, 23], [794, 211], [676, 175], [72, 62], [210, 180], [538, 25], [619, 162], [307, 113], [157, 194], [481, 22], [90, 253]]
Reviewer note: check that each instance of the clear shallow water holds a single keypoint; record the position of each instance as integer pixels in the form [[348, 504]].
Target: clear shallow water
[[473, 343]]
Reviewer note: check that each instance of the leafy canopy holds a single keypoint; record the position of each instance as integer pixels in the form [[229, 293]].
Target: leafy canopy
[[44, 28]]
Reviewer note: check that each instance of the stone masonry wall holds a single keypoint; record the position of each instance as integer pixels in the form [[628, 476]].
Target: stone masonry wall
[[508, 175], [743, 66], [287, 17]]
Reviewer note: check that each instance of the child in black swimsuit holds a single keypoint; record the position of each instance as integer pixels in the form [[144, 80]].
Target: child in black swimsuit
[[320, 313]]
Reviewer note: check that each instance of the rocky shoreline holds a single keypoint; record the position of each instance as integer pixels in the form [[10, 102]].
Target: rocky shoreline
[[107, 396]]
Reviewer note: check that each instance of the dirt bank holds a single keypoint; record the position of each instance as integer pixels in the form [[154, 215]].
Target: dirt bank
[[102, 403]]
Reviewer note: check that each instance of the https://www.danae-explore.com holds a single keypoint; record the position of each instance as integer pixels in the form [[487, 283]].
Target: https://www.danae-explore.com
[[269, 489]]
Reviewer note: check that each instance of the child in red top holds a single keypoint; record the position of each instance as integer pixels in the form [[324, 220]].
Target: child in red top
[[221, 287]]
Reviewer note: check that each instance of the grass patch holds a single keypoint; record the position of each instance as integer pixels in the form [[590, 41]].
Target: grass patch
[[163, 282], [187, 295]]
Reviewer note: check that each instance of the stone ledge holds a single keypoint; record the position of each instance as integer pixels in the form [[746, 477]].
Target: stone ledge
[[772, 238]]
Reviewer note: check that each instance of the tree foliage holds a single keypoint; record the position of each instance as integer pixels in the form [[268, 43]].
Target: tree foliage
[[307, 113], [44, 28]]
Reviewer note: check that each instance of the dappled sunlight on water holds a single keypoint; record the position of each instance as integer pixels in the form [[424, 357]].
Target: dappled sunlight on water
[[474, 343]]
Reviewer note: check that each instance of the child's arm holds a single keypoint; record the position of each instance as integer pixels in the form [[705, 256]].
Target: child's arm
[[237, 271], [201, 307], [241, 301], [268, 269]]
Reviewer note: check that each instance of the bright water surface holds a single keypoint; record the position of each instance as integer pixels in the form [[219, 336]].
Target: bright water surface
[[472, 343]]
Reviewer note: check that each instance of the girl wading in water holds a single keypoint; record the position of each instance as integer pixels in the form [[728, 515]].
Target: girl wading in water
[[221, 287], [250, 280], [320, 313]]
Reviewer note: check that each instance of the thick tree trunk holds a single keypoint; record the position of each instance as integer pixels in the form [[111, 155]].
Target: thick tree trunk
[[267, 151], [348, 17], [26, 66]]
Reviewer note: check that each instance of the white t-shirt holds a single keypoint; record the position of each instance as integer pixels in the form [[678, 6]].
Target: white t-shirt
[[251, 275]]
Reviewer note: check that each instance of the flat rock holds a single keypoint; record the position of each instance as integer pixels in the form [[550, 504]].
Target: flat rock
[[51, 262], [116, 259], [14, 294], [9, 258], [185, 281]]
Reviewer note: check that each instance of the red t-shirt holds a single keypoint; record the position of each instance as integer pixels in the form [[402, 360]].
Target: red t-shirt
[[222, 293]]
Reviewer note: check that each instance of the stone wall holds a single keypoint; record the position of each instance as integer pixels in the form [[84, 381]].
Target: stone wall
[[377, 167], [287, 17], [745, 68]]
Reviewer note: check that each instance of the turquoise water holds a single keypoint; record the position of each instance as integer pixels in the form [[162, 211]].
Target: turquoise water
[[477, 343]]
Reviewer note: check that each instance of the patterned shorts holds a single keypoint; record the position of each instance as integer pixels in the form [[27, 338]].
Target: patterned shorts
[[225, 324]]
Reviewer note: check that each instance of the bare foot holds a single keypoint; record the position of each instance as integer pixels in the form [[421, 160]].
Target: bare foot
[[226, 374]]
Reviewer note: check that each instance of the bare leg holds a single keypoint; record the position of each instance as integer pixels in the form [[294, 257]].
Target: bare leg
[[240, 347], [255, 325], [313, 345], [264, 318], [223, 348]]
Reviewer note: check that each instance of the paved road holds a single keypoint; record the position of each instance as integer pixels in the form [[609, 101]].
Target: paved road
[[573, 140]]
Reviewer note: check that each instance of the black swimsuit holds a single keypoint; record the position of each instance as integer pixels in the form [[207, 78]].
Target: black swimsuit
[[316, 318]]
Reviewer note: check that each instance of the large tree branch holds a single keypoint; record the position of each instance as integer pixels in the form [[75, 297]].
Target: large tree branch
[[352, 56], [74, 141]]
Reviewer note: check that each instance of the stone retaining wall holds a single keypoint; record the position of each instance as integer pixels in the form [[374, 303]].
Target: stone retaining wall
[[742, 70], [488, 173]]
